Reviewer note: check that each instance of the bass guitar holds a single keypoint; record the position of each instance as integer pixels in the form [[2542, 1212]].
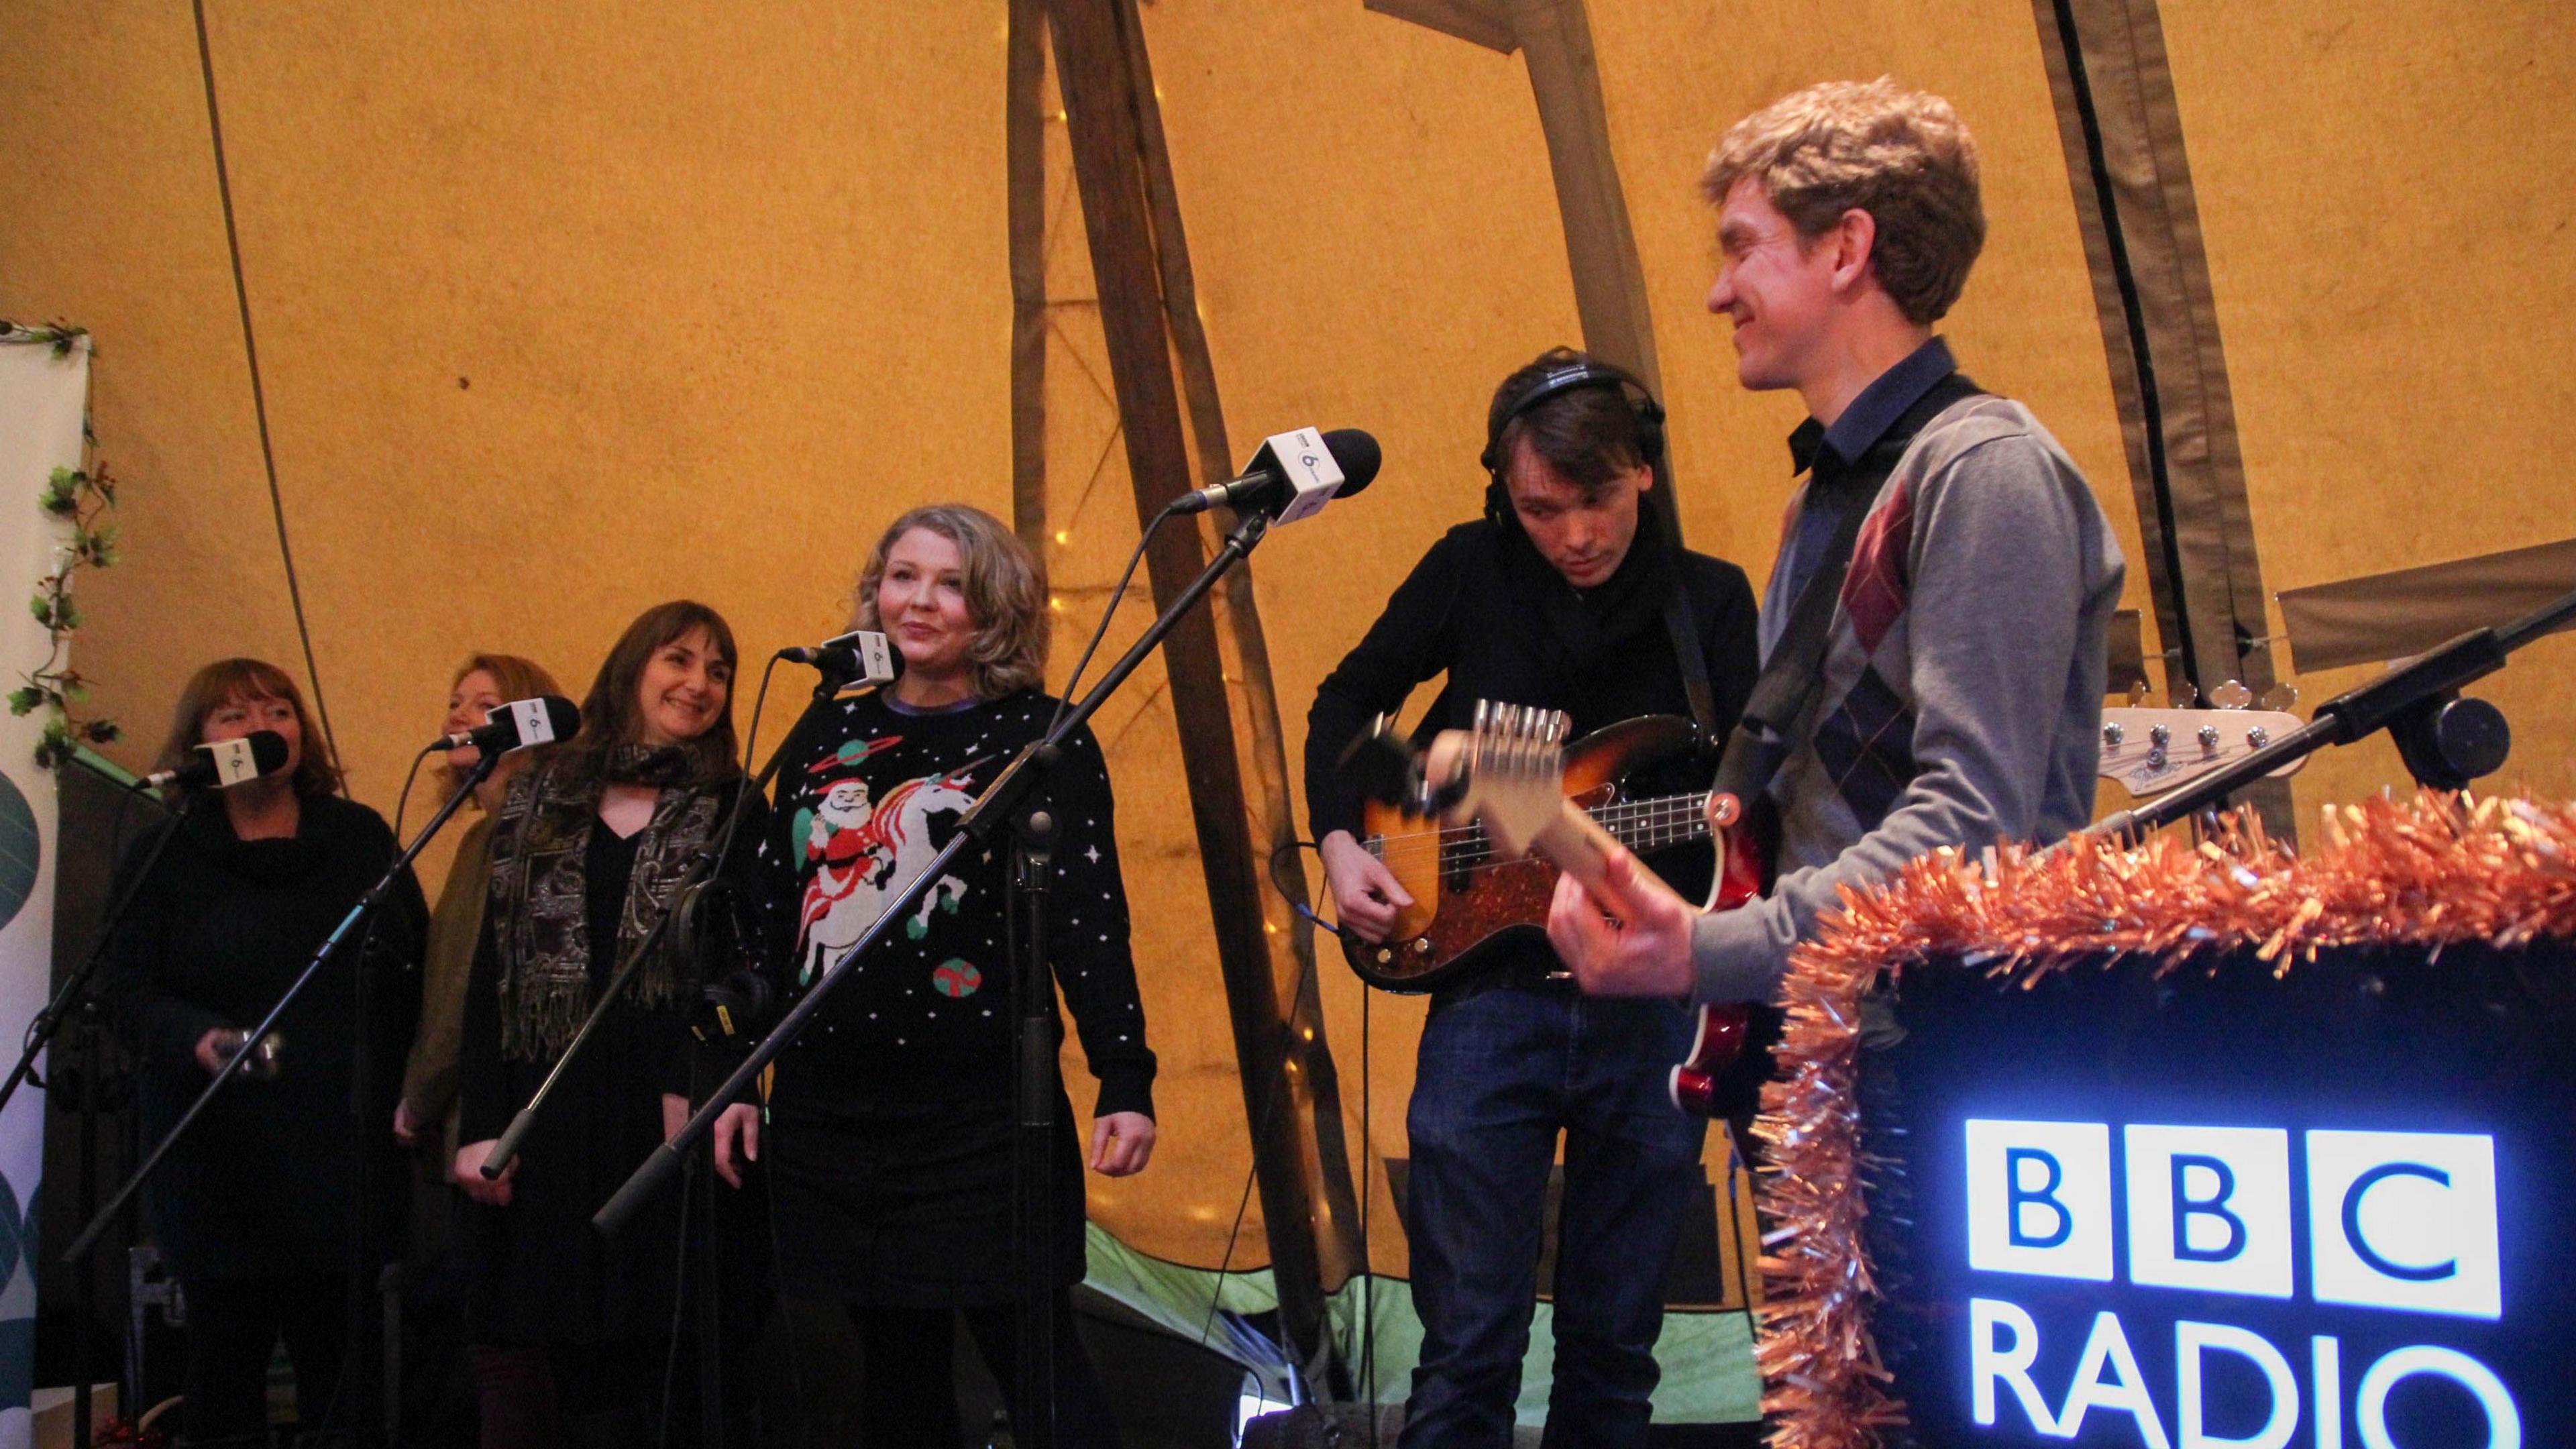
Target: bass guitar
[[1478, 826]]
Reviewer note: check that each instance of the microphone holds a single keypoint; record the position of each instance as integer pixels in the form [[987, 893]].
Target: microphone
[[225, 763], [1294, 475], [860, 656], [517, 725]]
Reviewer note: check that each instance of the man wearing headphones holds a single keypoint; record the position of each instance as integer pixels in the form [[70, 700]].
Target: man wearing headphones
[[1568, 594]]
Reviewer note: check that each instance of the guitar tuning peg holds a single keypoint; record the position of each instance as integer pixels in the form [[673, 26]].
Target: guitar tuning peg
[[2280, 698], [2184, 694], [2140, 691], [2231, 695]]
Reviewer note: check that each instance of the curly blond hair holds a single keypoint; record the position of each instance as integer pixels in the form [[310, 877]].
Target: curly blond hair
[[1006, 595], [1902, 156]]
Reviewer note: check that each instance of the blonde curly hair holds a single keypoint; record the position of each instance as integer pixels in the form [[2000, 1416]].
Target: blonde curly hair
[[1006, 595], [1902, 156]]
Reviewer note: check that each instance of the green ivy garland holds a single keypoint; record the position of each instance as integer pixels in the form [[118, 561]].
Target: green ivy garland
[[83, 498]]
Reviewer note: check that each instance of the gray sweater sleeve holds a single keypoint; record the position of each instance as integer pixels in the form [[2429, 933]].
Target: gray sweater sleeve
[[1999, 596]]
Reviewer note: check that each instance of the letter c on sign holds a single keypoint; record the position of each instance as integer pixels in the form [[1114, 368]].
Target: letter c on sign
[[2361, 1186]]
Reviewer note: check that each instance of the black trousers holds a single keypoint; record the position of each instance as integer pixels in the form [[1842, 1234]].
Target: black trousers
[[909, 1400], [234, 1323]]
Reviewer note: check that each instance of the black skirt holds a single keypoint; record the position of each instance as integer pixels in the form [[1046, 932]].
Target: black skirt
[[906, 1202]]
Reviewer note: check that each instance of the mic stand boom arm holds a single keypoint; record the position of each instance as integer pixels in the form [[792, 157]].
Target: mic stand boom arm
[[322, 954], [983, 821], [2406, 700], [701, 865]]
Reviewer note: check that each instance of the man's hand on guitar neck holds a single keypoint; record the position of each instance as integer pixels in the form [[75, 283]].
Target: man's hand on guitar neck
[[1643, 950], [1366, 896]]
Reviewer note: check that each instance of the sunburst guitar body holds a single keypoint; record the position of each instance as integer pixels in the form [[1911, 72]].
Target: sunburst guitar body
[[1490, 817]]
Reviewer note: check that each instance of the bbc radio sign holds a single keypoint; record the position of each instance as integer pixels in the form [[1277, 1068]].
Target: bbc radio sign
[[2391, 1222]]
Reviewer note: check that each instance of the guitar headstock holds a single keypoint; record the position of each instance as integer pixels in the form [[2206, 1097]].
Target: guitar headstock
[[2153, 750], [1508, 771]]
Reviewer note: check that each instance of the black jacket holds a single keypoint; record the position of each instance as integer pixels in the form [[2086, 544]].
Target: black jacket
[[261, 1185], [1484, 608]]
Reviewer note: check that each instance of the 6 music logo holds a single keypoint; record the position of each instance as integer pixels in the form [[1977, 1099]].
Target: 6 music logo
[[2395, 1221]]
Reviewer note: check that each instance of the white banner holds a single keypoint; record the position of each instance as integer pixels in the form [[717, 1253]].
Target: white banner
[[42, 397]]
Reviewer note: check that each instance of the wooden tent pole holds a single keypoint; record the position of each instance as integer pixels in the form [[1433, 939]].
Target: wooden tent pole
[[1024, 163], [1094, 75], [1554, 38]]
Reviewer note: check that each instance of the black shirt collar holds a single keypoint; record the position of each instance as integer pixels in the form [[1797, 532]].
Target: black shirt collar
[[1876, 409]]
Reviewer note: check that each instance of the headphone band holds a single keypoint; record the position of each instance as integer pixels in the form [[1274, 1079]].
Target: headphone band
[[1562, 380]]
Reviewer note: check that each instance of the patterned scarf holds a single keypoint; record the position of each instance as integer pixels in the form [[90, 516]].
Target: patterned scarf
[[540, 884]]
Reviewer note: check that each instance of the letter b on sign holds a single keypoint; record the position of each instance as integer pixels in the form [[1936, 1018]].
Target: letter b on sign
[[2209, 1208], [2039, 1198], [2405, 1220]]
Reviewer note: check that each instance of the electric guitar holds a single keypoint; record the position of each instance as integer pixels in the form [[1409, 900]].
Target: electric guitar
[[1480, 824], [2152, 751]]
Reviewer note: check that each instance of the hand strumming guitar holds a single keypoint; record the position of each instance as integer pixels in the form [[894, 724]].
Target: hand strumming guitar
[[1366, 896], [1644, 949]]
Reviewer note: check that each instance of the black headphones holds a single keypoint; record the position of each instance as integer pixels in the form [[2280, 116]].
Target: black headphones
[[1585, 372]]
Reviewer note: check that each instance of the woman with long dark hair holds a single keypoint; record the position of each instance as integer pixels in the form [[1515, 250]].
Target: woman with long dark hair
[[571, 1329], [890, 1152], [257, 1209]]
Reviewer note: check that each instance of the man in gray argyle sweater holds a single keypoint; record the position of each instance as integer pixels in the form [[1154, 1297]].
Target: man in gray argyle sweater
[[1958, 696]]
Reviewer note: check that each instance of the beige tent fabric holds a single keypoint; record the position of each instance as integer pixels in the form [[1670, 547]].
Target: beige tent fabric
[[2404, 612], [2132, 179]]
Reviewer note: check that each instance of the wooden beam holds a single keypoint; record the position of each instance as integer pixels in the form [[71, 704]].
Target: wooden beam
[[1555, 39], [1024, 167], [1102, 109], [1270, 814]]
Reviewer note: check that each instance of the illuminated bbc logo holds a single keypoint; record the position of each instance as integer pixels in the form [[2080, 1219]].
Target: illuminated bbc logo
[[2397, 1220]]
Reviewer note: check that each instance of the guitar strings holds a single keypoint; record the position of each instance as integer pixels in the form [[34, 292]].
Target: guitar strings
[[1455, 844]]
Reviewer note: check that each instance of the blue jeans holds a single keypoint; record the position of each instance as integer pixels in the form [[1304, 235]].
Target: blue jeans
[[1499, 1074]]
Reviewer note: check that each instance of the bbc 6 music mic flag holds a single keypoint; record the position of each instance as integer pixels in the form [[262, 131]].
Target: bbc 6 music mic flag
[[43, 394]]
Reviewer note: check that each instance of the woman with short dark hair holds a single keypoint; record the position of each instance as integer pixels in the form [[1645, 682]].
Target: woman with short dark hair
[[254, 1209]]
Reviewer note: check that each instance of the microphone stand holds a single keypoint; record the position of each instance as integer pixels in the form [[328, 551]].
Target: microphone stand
[[49, 1022], [2447, 741], [1006, 801], [71, 1002], [701, 865], [251, 1038]]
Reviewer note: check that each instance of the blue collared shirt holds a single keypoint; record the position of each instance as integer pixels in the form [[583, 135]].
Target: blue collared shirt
[[1826, 454]]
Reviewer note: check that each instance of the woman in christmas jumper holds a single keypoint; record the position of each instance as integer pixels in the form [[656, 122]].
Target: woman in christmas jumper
[[890, 1127], [570, 1328]]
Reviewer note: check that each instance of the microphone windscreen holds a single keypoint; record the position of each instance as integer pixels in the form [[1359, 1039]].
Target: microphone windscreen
[[562, 715], [267, 751], [1357, 455]]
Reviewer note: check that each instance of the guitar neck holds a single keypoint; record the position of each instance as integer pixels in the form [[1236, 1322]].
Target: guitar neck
[[1658, 824]]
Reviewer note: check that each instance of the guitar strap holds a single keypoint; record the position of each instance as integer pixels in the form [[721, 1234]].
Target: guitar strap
[[1694, 660], [1780, 713]]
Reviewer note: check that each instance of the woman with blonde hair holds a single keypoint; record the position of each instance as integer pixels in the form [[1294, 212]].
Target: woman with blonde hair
[[256, 1208], [483, 683], [891, 1124]]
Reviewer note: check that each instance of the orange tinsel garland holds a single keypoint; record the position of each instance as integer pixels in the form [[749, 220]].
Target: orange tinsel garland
[[2439, 870]]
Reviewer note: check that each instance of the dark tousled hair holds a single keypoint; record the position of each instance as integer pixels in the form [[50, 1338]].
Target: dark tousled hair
[[1590, 432]]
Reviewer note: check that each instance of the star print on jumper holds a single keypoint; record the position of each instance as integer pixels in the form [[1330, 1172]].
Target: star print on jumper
[[867, 796]]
